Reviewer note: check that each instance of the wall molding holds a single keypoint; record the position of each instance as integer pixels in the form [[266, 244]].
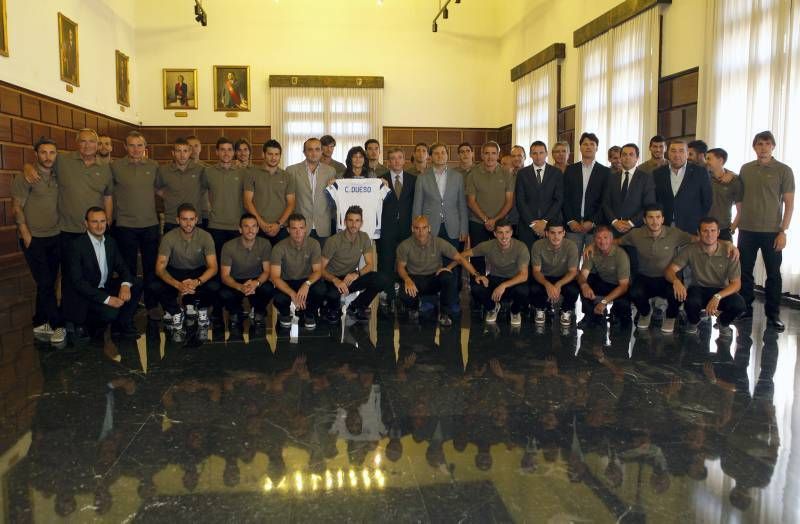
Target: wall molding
[[545, 56], [326, 81], [612, 18]]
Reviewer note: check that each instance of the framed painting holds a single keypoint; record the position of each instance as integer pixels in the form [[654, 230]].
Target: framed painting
[[180, 88], [231, 88], [3, 29], [123, 81], [68, 50]]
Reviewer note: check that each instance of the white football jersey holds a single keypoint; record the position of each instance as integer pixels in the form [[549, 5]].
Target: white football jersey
[[368, 194]]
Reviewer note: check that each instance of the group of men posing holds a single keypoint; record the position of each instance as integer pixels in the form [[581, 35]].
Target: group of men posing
[[261, 232]]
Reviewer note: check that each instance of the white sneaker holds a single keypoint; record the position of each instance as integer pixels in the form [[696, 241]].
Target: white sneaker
[[202, 318], [43, 331], [191, 311], [566, 318], [668, 325], [59, 335], [538, 316], [167, 318], [177, 321], [725, 331], [644, 321], [691, 328], [516, 319], [491, 315]]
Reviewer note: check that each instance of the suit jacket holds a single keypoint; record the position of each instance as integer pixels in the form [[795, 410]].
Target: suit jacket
[[453, 204], [641, 192], [573, 193], [318, 211], [691, 203], [534, 201], [84, 270], [396, 214]]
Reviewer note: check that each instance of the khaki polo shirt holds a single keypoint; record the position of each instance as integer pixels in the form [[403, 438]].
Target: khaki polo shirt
[[651, 165], [343, 255], [377, 171], [503, 263], [39, 202], [424, 259], [655, 254], [79, 188], [225, 188], [180, 187], [337, 166], [764, 187], [296, 262], [715, 270], [186, 254], [134, 198], [269, 191], [610, 268], [554, 262], [723, 197], [489, 189], [244, 262]]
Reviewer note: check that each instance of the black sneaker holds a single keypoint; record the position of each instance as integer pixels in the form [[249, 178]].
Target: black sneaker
[[309, 321], [359, 314], [332, 316], [285, 321], [775, 323], [413, 315]]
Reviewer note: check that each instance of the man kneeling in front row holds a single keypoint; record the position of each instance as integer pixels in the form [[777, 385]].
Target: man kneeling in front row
[[340, 258], [185, 269], [245, 271], [419, 264], [506, 260], [554, 260], [604, 279]]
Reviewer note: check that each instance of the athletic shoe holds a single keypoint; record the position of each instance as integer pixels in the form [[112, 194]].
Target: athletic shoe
[[309, 321], [644, 322], [445, 321], [668, 326], [285, 321], [177, 321], [59, 335], [491, 315], [539, 317], [566, 318], [516, 319], [43, 331]]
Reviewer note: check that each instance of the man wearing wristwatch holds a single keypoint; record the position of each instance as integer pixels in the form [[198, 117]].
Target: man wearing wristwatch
[[185, 267], [269, 194], [296, 273], [605, 275], [341, 274], [716, 280], [244, 271]]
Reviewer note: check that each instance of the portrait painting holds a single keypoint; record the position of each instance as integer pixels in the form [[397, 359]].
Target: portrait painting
[[180, 88], [231, 88], [123, 81], [3, 29], [68, 50]]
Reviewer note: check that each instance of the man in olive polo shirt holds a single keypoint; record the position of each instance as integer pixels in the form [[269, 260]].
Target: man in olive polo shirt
[[244, 271], [179, 182], [716, 280], [225, 184], [186, 266], [296, 273], [506, 260], [136, 227], [554, 260], [490, 196], [727, 191], [197, 148], [269, 194], [767, 209], [374, 167], [605, 275], [419, 265], [37, 225], [104, 149], [341, 274]]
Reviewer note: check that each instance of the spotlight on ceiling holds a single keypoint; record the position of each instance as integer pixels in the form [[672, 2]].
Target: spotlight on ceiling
[[435, 27], [200, 13]]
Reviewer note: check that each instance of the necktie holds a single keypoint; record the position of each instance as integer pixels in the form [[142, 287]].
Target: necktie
[[625, 185], [539, 175], [398, 185]]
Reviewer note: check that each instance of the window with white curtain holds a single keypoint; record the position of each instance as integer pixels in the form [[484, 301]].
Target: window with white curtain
[[750, 82], [535, 97], [350, 115], [618, 87]]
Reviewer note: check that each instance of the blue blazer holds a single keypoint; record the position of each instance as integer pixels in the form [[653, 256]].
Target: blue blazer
[[691, 203]]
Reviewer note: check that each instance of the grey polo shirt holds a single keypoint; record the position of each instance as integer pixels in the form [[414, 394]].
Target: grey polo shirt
[[180, 187], [424, 259], [134, 198], [184, 253], [764, 187], [611, 268], [554, 262], [244, 262], [296, 261], [39, 202], [343, 255], [715, 270], [723, 197], [225, 187], [489, 189], [655, 254], [79, 188], [503, 263], [269, 191]]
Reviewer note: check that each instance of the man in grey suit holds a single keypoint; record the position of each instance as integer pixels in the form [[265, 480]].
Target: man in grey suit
[[310, 179], [439, 196], [628, 193]]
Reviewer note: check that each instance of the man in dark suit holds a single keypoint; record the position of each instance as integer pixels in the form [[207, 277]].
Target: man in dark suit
[[539, 193], [584, 184], [627, 193], [100, 298], [395, 219], [683, 189]]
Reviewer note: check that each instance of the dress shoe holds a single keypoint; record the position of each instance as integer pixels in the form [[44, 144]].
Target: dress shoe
[[776, 323], [111, 352]]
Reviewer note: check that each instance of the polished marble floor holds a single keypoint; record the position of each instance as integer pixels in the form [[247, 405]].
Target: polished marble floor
[[394, 421]]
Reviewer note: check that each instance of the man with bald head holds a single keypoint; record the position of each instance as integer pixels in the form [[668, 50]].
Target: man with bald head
[[311, 176]]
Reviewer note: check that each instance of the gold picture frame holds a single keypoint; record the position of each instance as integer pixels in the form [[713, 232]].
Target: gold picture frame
[[123, 79], [180, 88], [68, 58], [3, 29], [231, 88]]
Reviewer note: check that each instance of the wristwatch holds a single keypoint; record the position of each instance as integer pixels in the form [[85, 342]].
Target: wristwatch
[[604, 302], [718, 296], [308, 283]]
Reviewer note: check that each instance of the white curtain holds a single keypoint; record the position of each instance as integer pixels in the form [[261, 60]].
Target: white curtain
[[750, 82], [350, 115], [535, 106], [618, 87]]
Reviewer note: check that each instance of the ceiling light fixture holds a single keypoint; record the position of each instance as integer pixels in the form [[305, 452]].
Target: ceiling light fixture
[[443, 12], [200, 13]]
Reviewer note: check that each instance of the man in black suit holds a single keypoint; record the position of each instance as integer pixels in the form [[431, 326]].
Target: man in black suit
[[584, 184], [395, 219], [100, 298], [627, 193], [683, 189], [539, 192]]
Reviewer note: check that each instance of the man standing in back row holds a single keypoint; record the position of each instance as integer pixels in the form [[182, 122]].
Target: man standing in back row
[[584, 184], [311, 177]]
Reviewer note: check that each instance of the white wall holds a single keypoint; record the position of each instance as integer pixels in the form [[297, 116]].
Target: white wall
[[103, 26]]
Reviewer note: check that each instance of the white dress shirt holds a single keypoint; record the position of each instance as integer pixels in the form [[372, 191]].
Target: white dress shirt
[[676, 178], [441, 181], [99, 245], [587, 173], [395, 175]]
